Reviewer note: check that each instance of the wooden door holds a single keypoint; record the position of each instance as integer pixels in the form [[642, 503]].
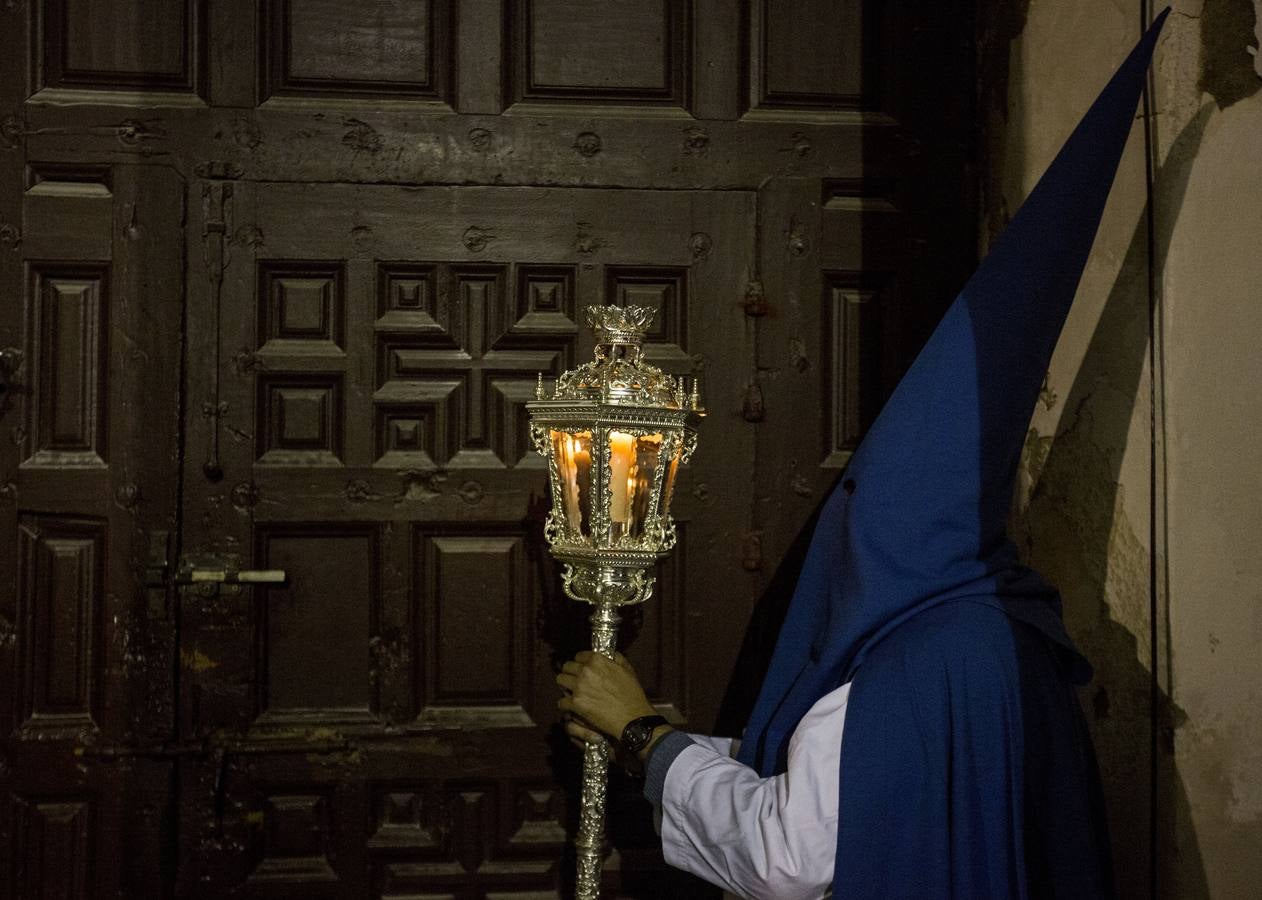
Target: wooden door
[[392, 706], [92, 282], [384, 219]]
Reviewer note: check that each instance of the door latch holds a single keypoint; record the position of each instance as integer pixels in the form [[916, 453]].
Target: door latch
[[218, 572], [234, 576]]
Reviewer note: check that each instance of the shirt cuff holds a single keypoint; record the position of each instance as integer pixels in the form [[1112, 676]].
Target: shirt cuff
[[659, 762]]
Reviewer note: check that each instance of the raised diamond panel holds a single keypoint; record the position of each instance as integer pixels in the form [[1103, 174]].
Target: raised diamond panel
[[420, 433], [470, 583], [606, 51], [510, 421], [538, 811], [665, 290], [54, 846], [852, 327], [61, 595], [809, 54], [408, 819], [329, 47], [301, 302], [409, 301], [301, 419], [465, 396], [69, 363], [81, 45], [295, 839], [314, 631], [545, 301], [474, 814]]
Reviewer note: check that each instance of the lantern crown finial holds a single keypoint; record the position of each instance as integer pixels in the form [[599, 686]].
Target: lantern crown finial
[[620, 324], [619, 375]]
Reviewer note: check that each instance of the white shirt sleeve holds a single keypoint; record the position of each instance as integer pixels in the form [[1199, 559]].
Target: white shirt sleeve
[[760, 837], [720, 745]]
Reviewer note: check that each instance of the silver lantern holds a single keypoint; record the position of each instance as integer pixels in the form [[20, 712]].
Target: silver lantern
[[614, 432]]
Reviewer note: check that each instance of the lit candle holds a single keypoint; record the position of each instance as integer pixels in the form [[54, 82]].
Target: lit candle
[[621, 455], [582, 457], [565, 449]]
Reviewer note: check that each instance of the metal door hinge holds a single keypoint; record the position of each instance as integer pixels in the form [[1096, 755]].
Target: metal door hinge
[[155, 575], [755, 300], [751, 559], [752, 408], [157, 563], [10, 363]]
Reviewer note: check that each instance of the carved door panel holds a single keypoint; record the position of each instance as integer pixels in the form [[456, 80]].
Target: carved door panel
[[92, 286], [391, 707]]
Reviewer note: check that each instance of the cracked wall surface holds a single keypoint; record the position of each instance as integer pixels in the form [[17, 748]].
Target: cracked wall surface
[[1211, 285], [1142, 500]]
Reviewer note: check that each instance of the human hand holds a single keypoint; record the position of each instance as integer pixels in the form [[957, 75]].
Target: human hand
[[601, 696]]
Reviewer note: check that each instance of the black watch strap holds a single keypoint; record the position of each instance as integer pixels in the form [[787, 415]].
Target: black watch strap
[[638, 732]]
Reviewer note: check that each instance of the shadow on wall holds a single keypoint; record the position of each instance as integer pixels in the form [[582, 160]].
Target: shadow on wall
[[1074, 530]]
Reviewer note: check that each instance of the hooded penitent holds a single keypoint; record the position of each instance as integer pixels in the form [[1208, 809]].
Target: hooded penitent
[[966, 770]]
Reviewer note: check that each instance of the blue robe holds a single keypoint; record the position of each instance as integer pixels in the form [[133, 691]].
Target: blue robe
[[966, 768]]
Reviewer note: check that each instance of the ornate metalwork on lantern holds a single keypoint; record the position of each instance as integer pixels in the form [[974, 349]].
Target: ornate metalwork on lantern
[[614, 432]]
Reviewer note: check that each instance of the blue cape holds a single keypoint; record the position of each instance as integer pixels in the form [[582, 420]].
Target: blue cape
[[966, 767], [967, 770]]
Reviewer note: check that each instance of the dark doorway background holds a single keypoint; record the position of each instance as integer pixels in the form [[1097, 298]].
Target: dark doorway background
[[281, 274]]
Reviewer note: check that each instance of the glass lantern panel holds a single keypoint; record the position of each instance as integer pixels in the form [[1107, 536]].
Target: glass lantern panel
[[573, 454], [632, 467], [621, 460], [640, 480], [668, 492]]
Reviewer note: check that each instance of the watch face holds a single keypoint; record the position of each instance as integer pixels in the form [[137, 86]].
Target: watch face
[[640, 731], [638, 734]]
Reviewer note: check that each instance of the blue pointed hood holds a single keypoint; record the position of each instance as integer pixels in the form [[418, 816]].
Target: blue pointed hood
[[919, 517]]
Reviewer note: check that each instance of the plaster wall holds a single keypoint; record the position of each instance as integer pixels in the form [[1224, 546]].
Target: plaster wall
[[1143, 500], [1211, 295]]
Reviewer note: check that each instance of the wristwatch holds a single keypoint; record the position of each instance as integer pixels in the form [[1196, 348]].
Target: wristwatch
[[639, 732]]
